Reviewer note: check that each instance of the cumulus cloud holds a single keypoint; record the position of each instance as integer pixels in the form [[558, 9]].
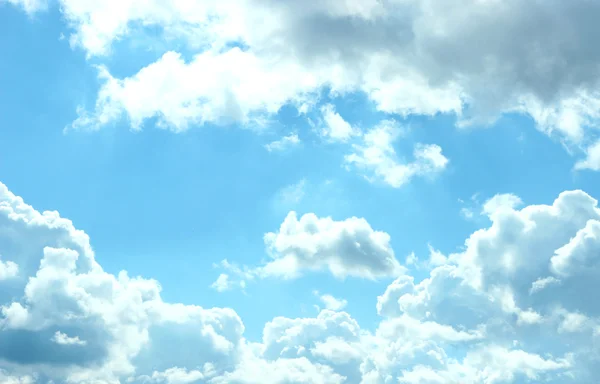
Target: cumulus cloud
[[512, 306], [377, 158], [330, 302], [70, 320], [224, 283], [344, 248], [476, 59], [592, 158], [283, 143], [8, 269]]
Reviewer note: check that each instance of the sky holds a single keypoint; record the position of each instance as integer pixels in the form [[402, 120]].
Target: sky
[[281, 192]]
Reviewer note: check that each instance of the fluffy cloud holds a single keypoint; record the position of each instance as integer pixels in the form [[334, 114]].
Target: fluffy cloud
[[592, 158], [330, 302], [8, 269], [64, 339], [477, 59], [336, 128], [66, 318], [524, 278], [283, 143], [345, 248], [511, 307], [377, 157], [224, 283], [348, 248]]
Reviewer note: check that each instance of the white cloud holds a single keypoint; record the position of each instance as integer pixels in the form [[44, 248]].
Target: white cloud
[[436, 257], [501, 201], [470, 320], [408, 57], [330, 302], [345, 248], [377, 158], [542, 283], [5, 378], [29, 6], [64, 339], [592, 159], [283, 143], [68, 293], [224, 283], [8, 269], [336, 128]]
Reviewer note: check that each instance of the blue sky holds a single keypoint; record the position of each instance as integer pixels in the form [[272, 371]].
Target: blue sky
[[173, 149]]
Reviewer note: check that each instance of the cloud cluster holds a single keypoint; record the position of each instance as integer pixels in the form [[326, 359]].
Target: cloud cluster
[[344, 248], [514, 306], [476, 59]]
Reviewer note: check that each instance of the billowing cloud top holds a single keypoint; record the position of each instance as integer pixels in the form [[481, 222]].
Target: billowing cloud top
[[515, 304]]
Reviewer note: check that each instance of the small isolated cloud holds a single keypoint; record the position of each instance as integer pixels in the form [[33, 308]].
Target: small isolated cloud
[[8, 270], [284, 143], [330, 302], [291, 194], [376, 157], [224, 283], [63, 339], [344, 248], [592, 158], [347, 248]]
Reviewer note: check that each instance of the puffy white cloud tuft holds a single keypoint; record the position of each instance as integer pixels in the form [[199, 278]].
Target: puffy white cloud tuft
[[377, 157], [330, 302], [345, 248]]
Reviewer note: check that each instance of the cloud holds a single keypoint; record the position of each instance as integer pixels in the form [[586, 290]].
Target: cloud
[[501, 201], [476, 59], [336, 128], [70, 320], [29, 6], [10, 379], [492, 312], [175, 375], [291, 194], [377, 158], [472, 319], [344, 248], [330, 302], [592, 159], [224, 283], [8, 269], [64, 339], [283, 143]]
